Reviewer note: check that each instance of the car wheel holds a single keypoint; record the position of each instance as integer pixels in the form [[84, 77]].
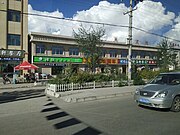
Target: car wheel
[[176, 104]]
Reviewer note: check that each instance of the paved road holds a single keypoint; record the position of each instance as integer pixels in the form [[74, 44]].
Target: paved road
[[114, 116]]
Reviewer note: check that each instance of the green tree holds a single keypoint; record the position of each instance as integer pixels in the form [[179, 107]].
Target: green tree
[[166, 56], [90, 43]]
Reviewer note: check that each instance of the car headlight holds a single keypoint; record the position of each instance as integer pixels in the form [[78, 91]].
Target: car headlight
[[137, 91], [162, 94]]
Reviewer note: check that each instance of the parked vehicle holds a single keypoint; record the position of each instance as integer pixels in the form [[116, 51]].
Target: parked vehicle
[[45, 76], [7, 78], [161, 92]]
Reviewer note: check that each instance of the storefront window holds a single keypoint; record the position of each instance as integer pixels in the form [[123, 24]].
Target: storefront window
[[40, 49]]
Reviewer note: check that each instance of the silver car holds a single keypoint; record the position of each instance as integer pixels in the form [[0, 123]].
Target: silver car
[[162, 92]]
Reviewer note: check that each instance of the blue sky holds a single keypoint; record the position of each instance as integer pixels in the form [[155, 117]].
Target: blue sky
[[70, 7], [156, 16]]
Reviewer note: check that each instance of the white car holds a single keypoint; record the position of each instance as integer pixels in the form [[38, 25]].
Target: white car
[[162, 92]]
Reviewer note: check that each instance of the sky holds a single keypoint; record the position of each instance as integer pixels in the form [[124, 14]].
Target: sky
[[160, 17]]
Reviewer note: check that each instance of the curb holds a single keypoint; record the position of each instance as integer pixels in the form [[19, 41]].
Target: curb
[[92, 98]]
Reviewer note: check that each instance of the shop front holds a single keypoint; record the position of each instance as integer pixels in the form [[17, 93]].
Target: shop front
[[9, 59], [54, 65], [137, 63]]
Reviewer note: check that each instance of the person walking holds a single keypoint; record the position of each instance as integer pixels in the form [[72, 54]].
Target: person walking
[[36, 76]]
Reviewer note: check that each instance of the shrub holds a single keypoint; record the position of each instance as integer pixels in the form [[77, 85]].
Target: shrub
[[85, 77], [148, 74], [57, 81], [121, 84], [101, 77], [138, 80]]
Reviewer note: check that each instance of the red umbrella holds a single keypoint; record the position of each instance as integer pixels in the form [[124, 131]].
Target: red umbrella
[[25, 66]]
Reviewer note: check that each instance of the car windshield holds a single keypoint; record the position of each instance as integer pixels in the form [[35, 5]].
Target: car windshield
[[169, 79]]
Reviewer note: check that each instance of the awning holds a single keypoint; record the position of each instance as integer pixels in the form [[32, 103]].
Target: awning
[[25, 66]]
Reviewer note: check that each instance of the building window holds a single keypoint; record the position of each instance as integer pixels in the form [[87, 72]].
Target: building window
[[124, 53], [113, 53], [40, 49], [57, 50], [74, 51], [14, 15], [14, 39], [134, 54], [152, 55], [103, 53], [142, 54]]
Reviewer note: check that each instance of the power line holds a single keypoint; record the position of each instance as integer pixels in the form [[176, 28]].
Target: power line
[[155, 34], [97, 23], [115, 25]]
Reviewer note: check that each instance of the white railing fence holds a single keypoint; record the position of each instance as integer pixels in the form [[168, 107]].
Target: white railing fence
[[77, 86]]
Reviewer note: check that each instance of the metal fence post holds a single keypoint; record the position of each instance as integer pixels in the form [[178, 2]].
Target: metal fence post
[[112, 83], [94, 85], [72, 86]]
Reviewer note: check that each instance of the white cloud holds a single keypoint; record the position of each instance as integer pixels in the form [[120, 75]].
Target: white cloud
[[175, 31], [48, 25], [150, 16]]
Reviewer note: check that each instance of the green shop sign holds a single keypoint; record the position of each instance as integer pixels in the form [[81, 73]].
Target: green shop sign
[[45, 59]]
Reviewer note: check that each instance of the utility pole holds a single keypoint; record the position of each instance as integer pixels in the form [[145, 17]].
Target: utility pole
[[130, 42], [130, 12]]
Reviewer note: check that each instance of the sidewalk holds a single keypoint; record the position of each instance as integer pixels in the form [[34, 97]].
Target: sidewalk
[[15, 92], [20, 87], [96, 94]]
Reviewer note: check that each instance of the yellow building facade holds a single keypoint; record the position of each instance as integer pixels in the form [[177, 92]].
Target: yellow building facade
[[13, 33]]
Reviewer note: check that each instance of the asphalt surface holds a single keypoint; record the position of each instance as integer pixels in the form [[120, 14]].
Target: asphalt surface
[[113, 116]]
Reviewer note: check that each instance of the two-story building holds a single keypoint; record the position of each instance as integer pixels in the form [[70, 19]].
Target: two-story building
[[53, 52]]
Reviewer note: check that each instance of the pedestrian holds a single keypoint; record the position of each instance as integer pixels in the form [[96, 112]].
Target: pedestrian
[[36, 76]]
